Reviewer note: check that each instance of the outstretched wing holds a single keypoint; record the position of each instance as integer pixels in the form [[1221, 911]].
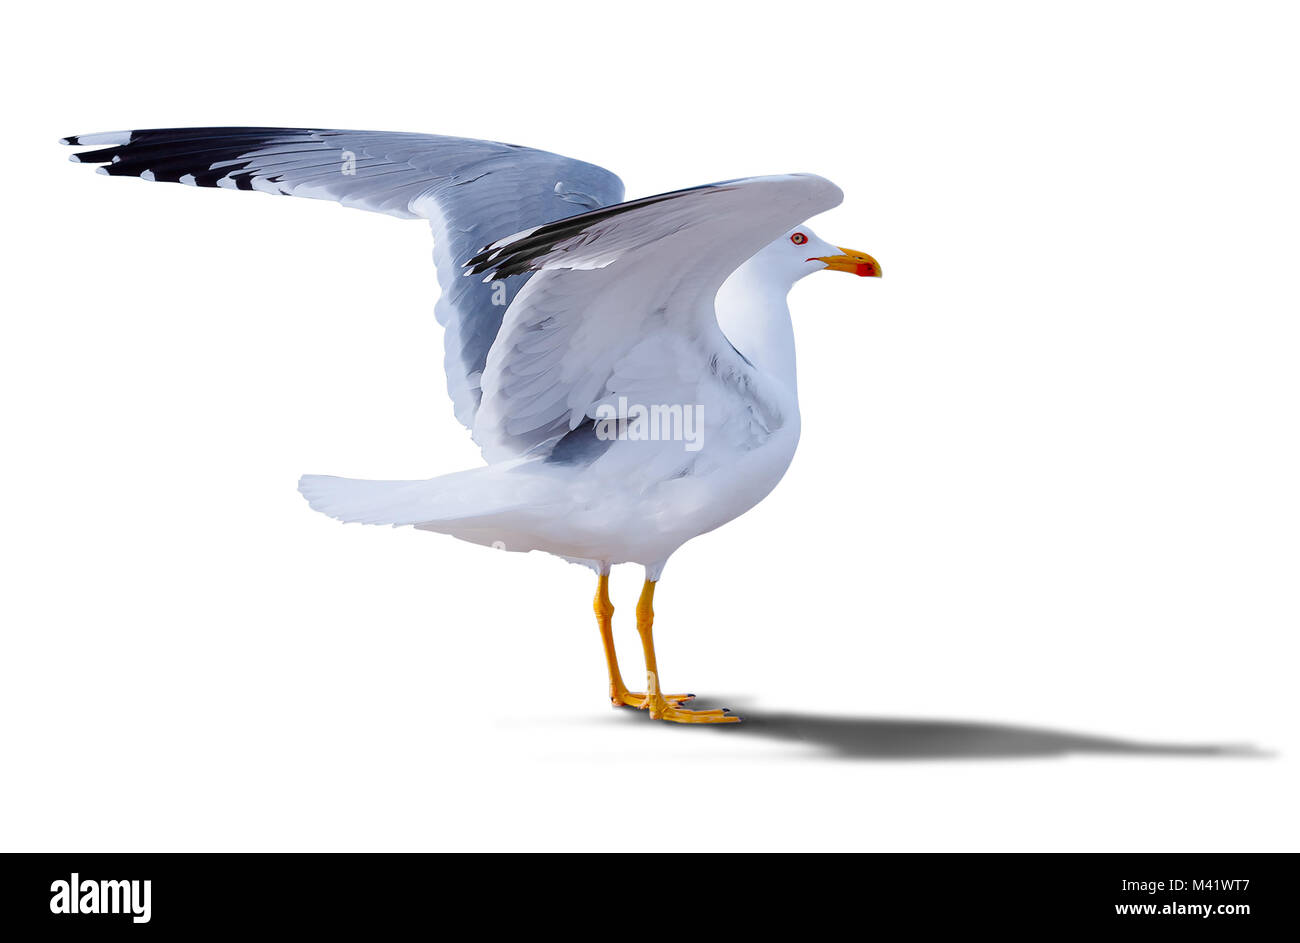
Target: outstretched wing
[[623, 305], [471, 192]]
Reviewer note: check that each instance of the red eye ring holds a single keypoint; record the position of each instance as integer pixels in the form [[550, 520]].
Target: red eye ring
[[798, 238]]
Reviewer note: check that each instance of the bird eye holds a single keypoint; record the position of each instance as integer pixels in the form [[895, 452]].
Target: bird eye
[[798, 238]]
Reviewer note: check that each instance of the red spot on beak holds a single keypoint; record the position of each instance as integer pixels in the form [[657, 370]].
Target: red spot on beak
[[856, 263]]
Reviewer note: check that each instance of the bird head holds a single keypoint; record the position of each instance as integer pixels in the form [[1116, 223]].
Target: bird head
[[801, 252]]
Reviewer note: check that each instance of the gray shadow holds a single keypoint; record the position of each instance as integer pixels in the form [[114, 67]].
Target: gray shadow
[[898, 738]]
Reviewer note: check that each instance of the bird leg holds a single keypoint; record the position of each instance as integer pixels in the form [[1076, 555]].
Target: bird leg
[[618, 692], [661, 706]]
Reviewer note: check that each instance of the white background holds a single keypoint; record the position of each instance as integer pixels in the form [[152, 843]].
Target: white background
[[1029, 584]]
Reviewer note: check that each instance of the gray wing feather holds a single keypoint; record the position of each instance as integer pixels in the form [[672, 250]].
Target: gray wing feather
[[471, 191]]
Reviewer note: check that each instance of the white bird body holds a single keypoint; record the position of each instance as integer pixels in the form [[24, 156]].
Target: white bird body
[[636, 503], [641, 499], [638, 390]]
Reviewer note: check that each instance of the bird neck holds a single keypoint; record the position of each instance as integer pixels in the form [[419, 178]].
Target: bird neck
[[754, 314]]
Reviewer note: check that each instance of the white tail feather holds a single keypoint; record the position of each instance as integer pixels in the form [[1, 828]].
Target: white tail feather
[[366, 502], [463, 499]]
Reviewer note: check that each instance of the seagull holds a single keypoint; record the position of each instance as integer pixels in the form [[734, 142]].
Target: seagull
[[626, 368]]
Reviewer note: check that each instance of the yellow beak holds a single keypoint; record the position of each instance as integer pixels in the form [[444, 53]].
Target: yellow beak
[[859, 263]]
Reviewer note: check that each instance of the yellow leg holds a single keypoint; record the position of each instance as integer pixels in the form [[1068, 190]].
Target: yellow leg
[[618, 692], [662, 707]]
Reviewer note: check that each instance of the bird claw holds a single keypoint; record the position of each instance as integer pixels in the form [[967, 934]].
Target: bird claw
[[669, 707], [626, 698], [678, 715]]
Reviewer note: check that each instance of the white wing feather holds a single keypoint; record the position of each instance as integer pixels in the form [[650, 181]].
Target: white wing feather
[[623, 306]]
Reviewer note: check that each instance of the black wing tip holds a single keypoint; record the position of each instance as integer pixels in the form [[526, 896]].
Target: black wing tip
[[204, 157], [478, 264], [100, 139], [493, 264], [75, 140], [521, 255]]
